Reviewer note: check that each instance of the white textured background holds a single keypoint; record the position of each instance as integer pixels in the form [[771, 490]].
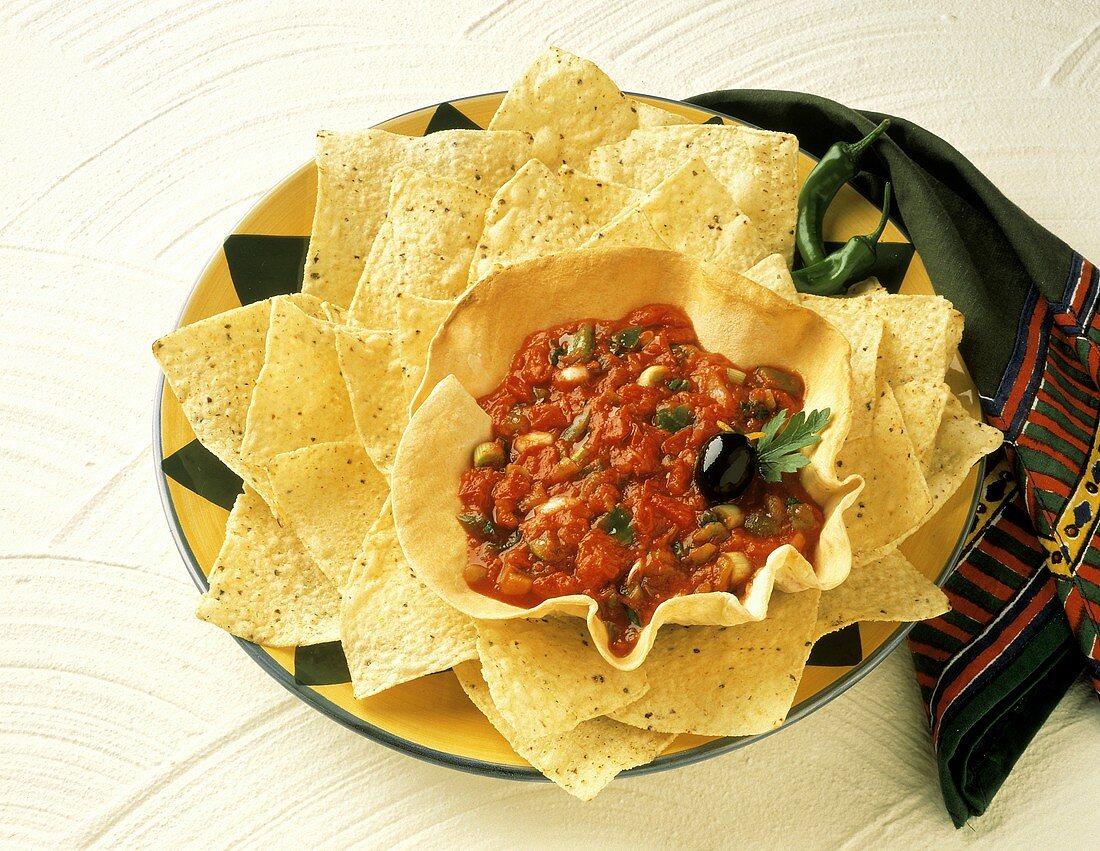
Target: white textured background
[[134, 135]]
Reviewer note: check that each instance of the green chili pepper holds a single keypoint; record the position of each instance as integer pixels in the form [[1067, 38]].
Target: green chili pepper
[[581, 345], [848, 264], [479, 526], [617, 524], [509, 542], [576, 429], [625, 340], [673, 419], [839, 165]]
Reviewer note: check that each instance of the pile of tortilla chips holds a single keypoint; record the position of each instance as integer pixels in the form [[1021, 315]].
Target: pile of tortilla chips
[[306, 398]]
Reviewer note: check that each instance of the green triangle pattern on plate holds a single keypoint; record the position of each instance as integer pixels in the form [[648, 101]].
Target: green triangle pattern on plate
[[264, 266], [839, 649], [446, 117], [891, 264], [321, 664], [714, 119], [199, 470]]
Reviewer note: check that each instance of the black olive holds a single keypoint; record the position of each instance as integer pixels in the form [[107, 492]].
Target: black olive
[[725, 466]]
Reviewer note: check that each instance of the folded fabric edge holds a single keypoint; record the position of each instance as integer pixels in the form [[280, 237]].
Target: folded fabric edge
[[978, 750]]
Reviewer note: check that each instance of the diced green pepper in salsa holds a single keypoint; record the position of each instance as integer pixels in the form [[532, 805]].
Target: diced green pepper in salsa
[[587, 486]]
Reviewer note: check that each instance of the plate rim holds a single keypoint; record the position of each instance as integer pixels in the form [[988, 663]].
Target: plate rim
[[473, 765]]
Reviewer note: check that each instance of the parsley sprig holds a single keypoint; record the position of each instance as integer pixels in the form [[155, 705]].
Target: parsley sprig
[[779, 449]]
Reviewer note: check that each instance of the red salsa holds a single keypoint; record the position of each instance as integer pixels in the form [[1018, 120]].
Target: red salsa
[[588, 487]]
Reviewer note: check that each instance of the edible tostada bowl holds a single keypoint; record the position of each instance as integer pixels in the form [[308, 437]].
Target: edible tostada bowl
[[732, 315]]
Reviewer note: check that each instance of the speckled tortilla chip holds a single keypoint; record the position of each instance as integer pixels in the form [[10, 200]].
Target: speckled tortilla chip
[[921, 404], [212, 366], [961, 442], [772, 272], [331, 312], [264, 587], [417, 321], [757, 167], [540, 212], [695, 214], [329, 495], [888, 589], [864, 331], [392, 627], [895, 499], [924, 332], [864, 335], [569, 105], [867, 286], [727, 681], [375, 380], [545, 676], [433, 227], [920, 337], [630, 229], [581, 761], [354, 174], [373, 305], [300, 398], [599, 200], [655, 116]]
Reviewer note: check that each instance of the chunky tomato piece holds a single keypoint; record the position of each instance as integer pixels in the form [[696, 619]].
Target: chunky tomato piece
[[476, 490], [601, 424]]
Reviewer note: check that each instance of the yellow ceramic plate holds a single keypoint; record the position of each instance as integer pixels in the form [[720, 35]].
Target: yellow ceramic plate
[[431, 718]]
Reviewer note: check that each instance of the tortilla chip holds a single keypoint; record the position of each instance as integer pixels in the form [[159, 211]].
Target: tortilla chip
[[598, 200], [582, 761], [864, 335], [921, 335], [300, 398], [655, 116], [921, 404], [392, 627], [264, 587], [538, 212], [569, 105], [332, 313], [896, 498], [865, 332], [424, 247], [329, 494], [961, 442], [772, 272], [434, 225], [888, 589], [374, 305], [354, 174], [630, 229], [868, 286], [212, 366], [727, 681], [925, 331], [375, 381], [757, 167], [546, 677], [417, 321], [695, 214]]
